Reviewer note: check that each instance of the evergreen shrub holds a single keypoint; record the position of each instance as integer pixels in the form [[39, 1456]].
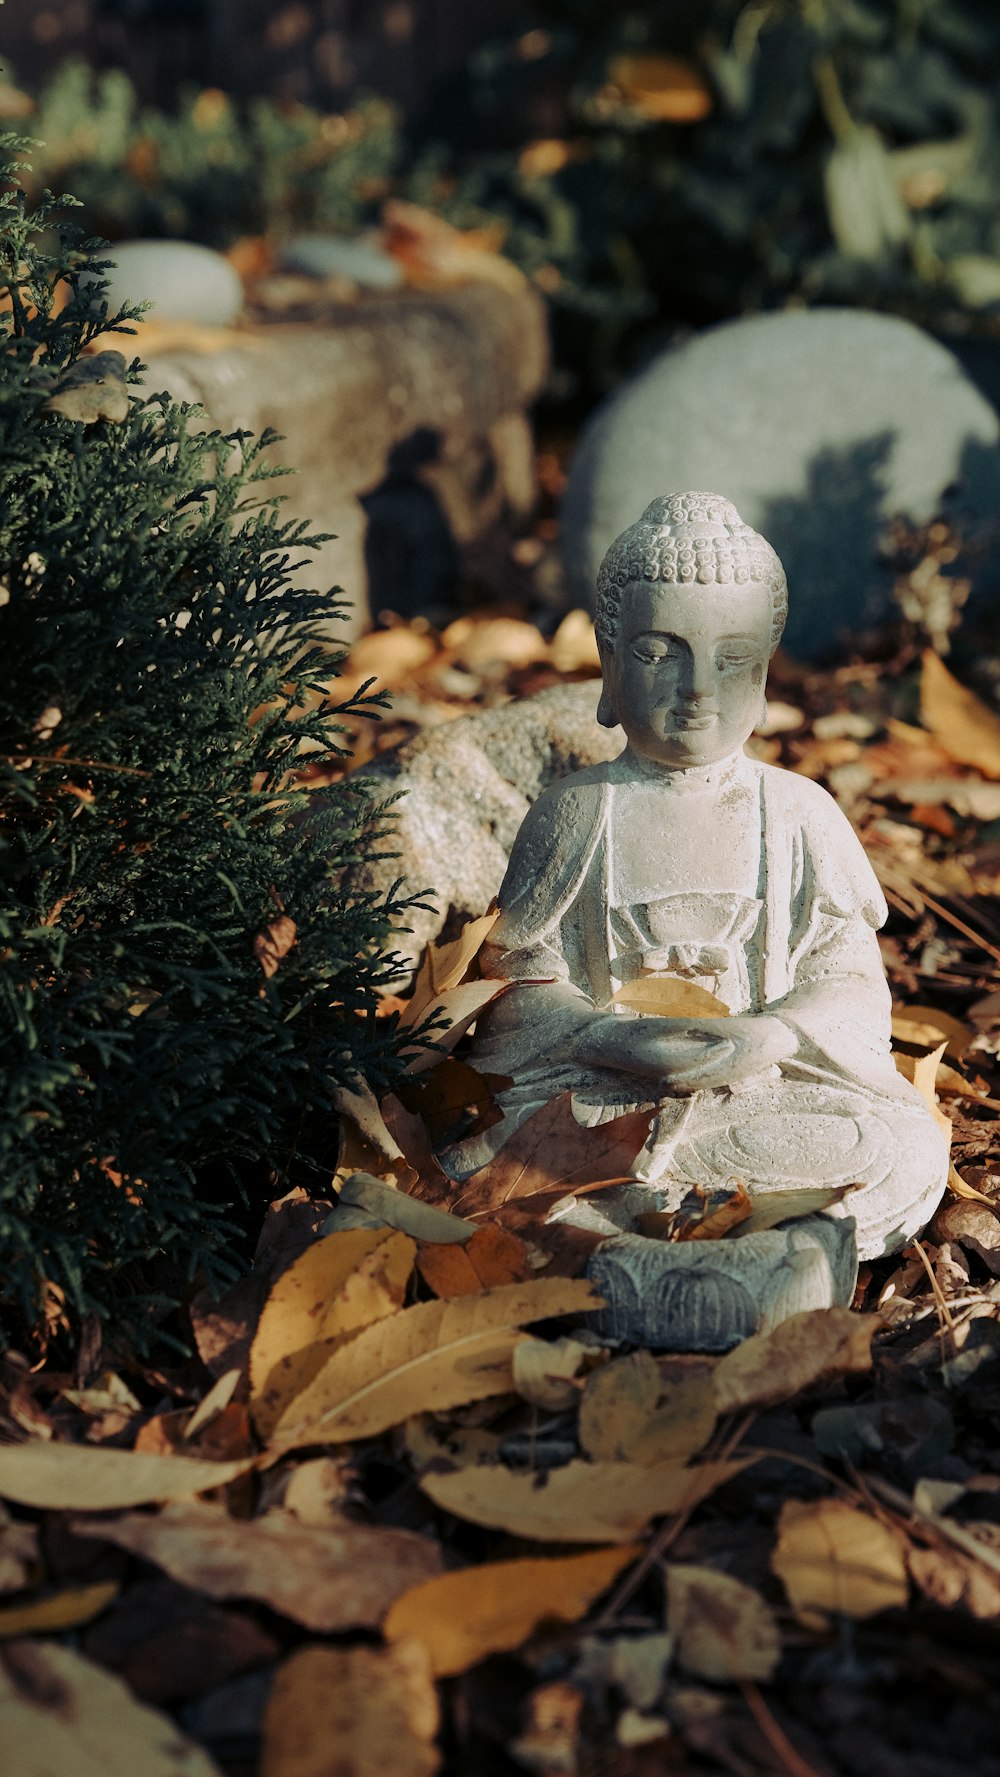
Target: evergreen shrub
[[181, 978]]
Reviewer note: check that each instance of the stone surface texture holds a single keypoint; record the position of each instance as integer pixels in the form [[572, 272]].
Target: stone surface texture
[[464, 789], [689, 932], [424, 390], [821, 427]]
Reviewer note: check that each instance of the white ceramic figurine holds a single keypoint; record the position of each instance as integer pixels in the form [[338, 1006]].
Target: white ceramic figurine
[[685, 858]]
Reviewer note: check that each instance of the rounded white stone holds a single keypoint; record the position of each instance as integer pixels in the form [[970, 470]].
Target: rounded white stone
[[183, 281]]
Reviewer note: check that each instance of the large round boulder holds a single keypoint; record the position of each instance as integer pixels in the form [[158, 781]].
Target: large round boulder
[[822, 426]]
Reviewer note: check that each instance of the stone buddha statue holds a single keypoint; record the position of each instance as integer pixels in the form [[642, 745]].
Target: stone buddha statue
[[685, 858]]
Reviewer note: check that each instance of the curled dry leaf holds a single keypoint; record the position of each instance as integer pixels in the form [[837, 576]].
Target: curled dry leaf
[[68, 1609], [661, 88], [444, 965], [492, 1257], [967, 729], [832, 1557], [428, 1358], [96, 1730], [340, 1284], [352, 1712], [274, 943], [922, 1071], [543, 1370], [94, 388], [81, 1478], [724, 1630], [456, 1010], [339, 1575], [816, 1346], [389, 1208], [584, 1502], [462, 1617]]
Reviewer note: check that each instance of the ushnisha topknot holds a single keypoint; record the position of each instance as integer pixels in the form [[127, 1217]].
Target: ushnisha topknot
[[683, 538]]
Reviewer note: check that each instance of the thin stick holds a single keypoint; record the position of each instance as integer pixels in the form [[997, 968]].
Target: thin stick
[[936, 1290], [945, 1527], [792, 1761]]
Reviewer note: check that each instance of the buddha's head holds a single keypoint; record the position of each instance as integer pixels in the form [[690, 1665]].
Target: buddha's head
[[690, 607]]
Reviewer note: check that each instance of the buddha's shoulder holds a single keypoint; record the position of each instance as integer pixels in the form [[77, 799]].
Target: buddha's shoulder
[[802, 802], [570, 798]]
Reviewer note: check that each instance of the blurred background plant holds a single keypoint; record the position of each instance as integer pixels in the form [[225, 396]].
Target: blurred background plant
[[650, 167]]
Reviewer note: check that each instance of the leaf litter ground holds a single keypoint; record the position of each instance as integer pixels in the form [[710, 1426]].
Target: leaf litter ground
[[406, 1511]]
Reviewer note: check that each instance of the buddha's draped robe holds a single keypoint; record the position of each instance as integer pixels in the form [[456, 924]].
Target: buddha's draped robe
[[802, 948]]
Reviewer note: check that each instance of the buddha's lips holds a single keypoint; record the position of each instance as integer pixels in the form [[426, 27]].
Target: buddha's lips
[[686, 723]]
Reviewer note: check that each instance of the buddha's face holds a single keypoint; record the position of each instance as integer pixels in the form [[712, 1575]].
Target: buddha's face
[[685, 676]]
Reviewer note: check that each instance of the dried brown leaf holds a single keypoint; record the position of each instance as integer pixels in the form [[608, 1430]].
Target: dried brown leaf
[[724, 1630], [273, 944], [340, 1575], [340, 1284], [816, 1346], [63, 1715], [352, 1712], [444, 965], [428, 1358], [492, 1257], [832, 1557], [583, 1502], [552, 1154], [967, 729]]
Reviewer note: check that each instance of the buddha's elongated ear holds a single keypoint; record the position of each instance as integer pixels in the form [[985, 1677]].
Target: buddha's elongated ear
[[607, 714]]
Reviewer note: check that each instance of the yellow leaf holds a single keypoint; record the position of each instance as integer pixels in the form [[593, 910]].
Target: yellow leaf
[[82, 1478], [724, 1630], [543, 1369], [921, 1071], [770, 1208], [668, 996], [352, 1712], [583, 1502], [662, 88], [462, 1617], [215, 1402], [934, 1025], [458, 1008], [965, 727], [63, 1716], [425, 1359], [64, 1610], [958, 1186], [338, 1285], [806, 1348], [94, 388], [832, 1557], [330, 1577], [444, 965], [626, 1415]]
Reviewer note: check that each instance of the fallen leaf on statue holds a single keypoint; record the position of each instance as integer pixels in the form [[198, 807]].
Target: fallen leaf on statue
[[331, 1577], [456, 1011], [582, 1502], [718, 1218], [831, 1557], [338, 1285], [68, 1609], [444, 965], [425, 1359], [76, 1477], [94, 388], [723, 1630], [352, 1712], [817, 1346], [967, 729], [552, 1154], [454, 1099], [64, 1715], [492, 1257], [543, 1370], [385, 1207], [771, 1208], [668, 996], [462, 1617]]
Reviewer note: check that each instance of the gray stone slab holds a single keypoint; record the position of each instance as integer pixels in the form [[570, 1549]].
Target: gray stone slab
[[821, 426]]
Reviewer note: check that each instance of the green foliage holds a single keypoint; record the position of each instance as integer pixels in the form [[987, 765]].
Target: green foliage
[[154, 665], [850, 153], [210, 171]]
